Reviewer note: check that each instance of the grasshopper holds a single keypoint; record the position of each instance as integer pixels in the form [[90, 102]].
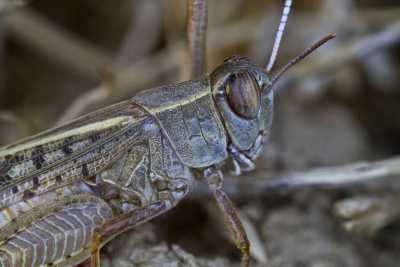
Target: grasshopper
[[66, 192]]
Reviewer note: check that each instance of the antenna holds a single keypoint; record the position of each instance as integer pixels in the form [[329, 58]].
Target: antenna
[[301, 56], [279, 33]]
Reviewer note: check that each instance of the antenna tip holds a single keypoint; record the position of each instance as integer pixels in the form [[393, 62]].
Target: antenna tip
[[323, 41], [308, 51], [330, 36]]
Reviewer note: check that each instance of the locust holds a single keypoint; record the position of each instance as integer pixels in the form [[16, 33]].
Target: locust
[[66, 192]]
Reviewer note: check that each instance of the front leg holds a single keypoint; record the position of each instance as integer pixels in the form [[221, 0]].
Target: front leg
[[214, 179], [168, 196], [139, 175]]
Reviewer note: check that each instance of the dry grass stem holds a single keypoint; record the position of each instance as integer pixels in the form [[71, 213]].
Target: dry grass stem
[[328, 177], [196, 33], [368, 214], [340, 175]]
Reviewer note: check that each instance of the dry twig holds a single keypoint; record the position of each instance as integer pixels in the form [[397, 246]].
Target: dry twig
[[146, 20], [328, 177], [196, 33], [11, 117], [341, 175], [368, 214], [379, 16], [69, 51], [6, 5]]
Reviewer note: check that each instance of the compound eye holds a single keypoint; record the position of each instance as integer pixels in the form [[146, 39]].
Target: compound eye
[[243, 95]]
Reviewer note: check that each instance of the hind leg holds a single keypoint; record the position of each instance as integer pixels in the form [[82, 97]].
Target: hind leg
[[121, 224], [60, 237]]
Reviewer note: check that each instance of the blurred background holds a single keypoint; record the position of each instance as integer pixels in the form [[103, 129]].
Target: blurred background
[[62, 59]]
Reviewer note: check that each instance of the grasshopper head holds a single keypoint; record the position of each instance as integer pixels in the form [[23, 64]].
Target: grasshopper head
[[243, 94], [244, 98]]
